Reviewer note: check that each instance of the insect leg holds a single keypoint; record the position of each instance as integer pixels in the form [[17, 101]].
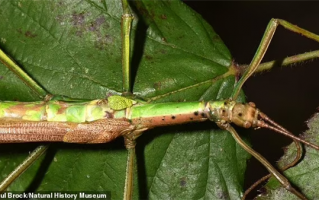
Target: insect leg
[[263, 46], [42, 93], [33, 156], [293, 163], [283, 180], [126, 22]]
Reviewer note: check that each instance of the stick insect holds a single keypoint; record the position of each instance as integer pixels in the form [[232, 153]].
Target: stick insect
[[81, 25], [271, 84]]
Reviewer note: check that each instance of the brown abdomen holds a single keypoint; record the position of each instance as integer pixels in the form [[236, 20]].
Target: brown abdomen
[[100, 131]]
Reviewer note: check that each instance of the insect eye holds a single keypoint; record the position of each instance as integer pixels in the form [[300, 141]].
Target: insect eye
[[240, 114]]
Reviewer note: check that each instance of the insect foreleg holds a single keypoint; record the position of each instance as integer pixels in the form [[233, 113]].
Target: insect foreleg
[[263, 46], [283, 180]]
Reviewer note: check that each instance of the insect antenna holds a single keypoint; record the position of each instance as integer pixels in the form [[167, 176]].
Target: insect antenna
[[279, 129]]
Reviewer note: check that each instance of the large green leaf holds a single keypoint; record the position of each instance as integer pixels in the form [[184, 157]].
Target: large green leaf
[[73, 48]]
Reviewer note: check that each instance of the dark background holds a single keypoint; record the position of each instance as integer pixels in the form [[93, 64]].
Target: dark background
[[289, 95]]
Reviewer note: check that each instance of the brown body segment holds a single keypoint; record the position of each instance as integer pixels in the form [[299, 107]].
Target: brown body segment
[[100, 131]]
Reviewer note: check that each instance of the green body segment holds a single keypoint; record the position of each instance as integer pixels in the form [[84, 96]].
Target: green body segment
[[140, 115], [96, 121], [163, 114], [58, 111]]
